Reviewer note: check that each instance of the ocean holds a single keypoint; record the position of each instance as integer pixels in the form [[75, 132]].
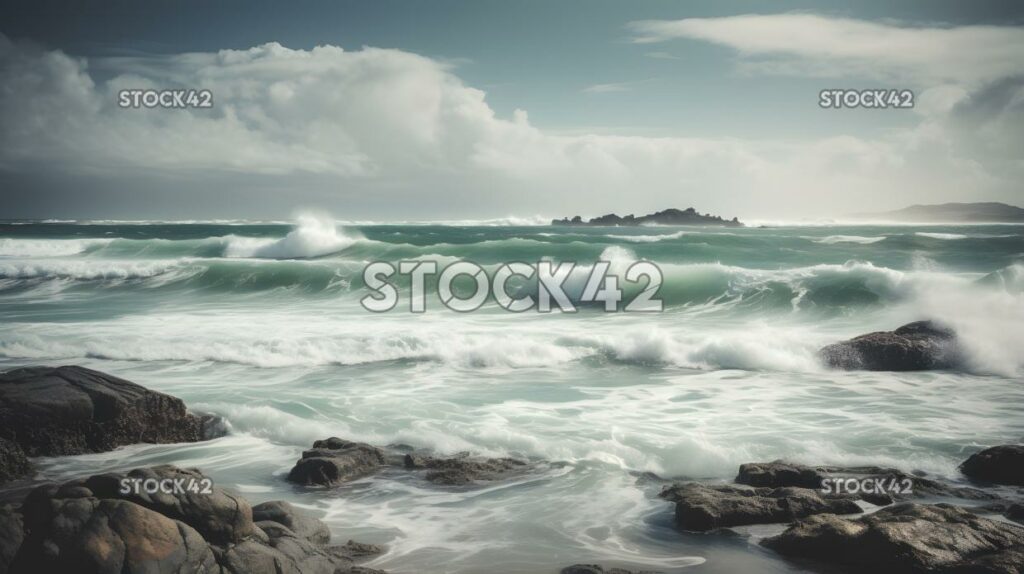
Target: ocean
[[260, 322]]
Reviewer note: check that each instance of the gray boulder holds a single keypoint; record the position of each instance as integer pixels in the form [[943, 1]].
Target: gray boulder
[[334, 460], [303, 526], [13, 462], [702, 507], [598, 569], [12, 532], [1002, 464], [887, 484], [918, 346], [51, 411], [779, 473], [90, 526], [461, 470], [907, 538]]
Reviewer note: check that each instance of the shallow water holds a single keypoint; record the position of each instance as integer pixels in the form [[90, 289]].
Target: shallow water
[[261, 324]]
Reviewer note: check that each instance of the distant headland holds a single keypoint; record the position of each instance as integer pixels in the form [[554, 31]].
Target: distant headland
[[984, 212], [688, 216]]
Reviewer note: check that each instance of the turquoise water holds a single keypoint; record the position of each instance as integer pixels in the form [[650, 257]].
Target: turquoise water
[[261, 323]]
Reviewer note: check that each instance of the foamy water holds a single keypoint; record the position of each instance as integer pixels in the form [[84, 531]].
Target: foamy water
[[261, 324]]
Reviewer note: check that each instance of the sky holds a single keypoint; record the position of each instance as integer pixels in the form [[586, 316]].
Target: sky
[[399, 110]]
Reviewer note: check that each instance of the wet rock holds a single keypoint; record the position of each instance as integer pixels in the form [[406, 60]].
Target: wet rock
[[11, 535], [918, 346], [73, 410], [875, 484], [13, 462], [702, 507], [285, 514], [907, 538], [91, 526], [219, 516], [1015, 512], [1002, 464], [779, 473], [461, 470], [332, 461], [598, 569]]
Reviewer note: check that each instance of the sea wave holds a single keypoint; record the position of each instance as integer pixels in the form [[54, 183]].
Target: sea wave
[[48, 247], [946, 236], [313, 236], [833, 239]]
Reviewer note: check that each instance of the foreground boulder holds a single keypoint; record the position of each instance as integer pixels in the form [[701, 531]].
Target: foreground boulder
[[51, 411], [1002, 464], [100, 525], [462, 470], [918, 346], [12, 532], [907, 538], [334, 460], [702, 507]]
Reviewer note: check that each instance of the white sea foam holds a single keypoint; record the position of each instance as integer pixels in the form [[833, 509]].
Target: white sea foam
[[947, 236], [832, 239], [313, 236], [649, 238], [47, 247]]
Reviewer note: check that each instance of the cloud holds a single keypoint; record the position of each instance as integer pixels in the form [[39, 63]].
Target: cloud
[[809, 44], [608, 88], [661, 56], [403, 132]]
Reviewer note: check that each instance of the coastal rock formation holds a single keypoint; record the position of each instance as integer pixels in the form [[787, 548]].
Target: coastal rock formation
[[12, 533], [51, 411], [1002, 464], [702, 507], [97, 525], [13, 462], [918, 346], [688, 216], [461, 470], [779, 473], [875, 484], [279, 513], [907, 538], [334, 460], [598, 569]]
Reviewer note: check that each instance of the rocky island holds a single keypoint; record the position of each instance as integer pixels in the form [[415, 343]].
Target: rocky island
[[688, 216]]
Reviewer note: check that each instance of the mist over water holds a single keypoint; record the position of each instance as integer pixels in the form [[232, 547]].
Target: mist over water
[[261, 323]]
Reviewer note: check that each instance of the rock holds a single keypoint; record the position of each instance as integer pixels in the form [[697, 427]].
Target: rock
[[778, 473], [73, 410], [598, 569], [701, 507], [907, 538], [1015, 512], [886, 484], [303, 526], [461, 470], [11, 535], [94, 525], [918, 346], [220, 517], [334, 460], [1002, 464], [688, 216], [13, 462]]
